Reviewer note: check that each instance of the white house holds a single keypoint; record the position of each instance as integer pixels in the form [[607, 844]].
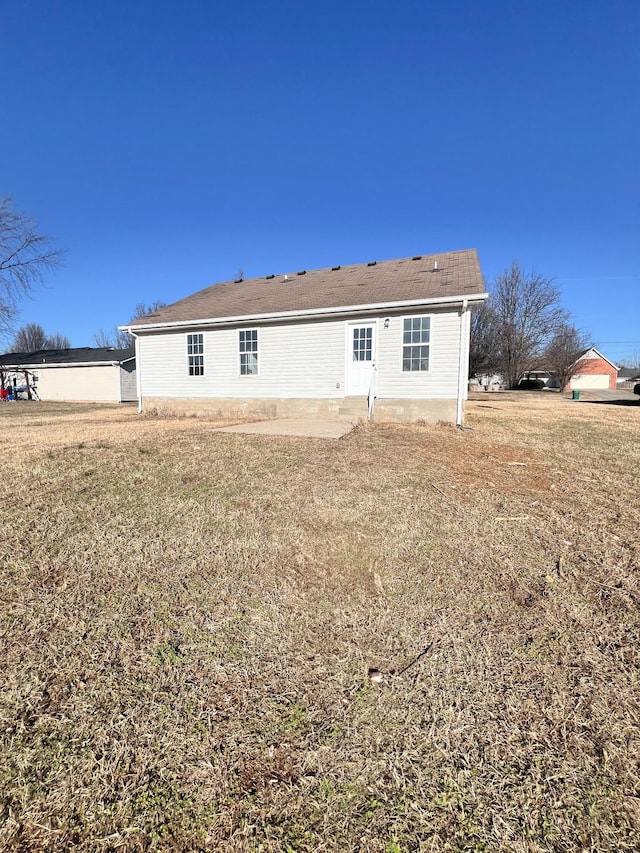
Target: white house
[[388, 340], [81, 374]]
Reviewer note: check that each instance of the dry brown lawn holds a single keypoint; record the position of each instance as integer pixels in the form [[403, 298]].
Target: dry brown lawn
[[188, 619]]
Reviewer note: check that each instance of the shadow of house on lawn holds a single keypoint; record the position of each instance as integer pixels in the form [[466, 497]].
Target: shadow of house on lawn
[[617, 402]]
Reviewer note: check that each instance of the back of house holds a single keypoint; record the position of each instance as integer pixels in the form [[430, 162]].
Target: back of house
[[386, 339]]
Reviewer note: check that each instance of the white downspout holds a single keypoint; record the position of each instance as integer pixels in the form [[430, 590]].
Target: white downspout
[[138, 371], [463, 360], [373, 382], [372, 391], [118, 372]]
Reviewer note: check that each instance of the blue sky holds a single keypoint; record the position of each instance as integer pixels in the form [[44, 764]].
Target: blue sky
[[167, 145]]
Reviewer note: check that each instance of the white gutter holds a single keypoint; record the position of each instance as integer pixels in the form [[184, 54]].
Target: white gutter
[[463, 360], [314, 312], [38, 365]]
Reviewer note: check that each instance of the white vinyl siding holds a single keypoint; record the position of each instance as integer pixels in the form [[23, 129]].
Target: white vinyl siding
[[440, 381], [296, 360], [128, 381], [302, 360], [93, 383]]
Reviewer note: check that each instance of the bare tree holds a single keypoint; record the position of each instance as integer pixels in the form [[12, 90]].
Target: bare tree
[[57, 341], [105, 339], [29, 338], [632, 361], [562, 352], [25, 256], [123, 340], [482, 346], [143, 310], [524, 313], [32, 337]]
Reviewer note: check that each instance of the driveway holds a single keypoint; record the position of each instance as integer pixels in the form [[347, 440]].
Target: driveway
[[614, 398], [301, 427]]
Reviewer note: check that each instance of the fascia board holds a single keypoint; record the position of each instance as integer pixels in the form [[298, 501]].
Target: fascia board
[[38, 365], [343, 310]]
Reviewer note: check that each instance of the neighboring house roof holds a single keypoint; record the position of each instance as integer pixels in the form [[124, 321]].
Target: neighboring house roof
[[593, 353], [67, 357], [423, 279], [629, 373]]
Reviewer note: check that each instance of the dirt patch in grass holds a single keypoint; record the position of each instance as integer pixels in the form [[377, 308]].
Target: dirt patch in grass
[[188, 620]]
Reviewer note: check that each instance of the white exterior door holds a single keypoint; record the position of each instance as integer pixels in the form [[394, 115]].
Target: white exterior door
[[361, 338]]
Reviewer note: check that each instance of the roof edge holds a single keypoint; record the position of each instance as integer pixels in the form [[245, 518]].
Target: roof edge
[[38, 365], [312, 313], [602, 356]]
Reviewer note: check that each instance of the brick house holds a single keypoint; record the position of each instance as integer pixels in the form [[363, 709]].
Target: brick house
[[593, 371]]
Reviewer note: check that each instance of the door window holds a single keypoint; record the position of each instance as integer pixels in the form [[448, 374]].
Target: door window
[[363, 343]]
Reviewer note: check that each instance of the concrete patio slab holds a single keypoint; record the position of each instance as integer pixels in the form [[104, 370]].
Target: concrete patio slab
[[302, 427]]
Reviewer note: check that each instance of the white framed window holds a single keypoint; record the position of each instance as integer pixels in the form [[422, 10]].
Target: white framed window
[[195, 354], [248, 346], [416, 338]]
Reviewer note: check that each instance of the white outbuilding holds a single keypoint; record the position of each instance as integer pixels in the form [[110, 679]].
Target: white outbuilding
[[81, 374]]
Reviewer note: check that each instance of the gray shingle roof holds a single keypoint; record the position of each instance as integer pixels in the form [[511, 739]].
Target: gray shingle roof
[[448, 275], [629, 373], [76, 355]]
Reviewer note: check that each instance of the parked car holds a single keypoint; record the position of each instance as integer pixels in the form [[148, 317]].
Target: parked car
[[636, 389], [530, 385]]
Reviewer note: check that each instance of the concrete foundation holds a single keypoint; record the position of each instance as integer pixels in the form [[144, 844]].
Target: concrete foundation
[[353, 408], [260, 408], [410, 411]]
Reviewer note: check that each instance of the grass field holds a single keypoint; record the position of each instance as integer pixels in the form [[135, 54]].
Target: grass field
[[188, 619]]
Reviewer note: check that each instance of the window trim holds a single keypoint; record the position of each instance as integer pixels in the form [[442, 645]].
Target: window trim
[[404, 317], [191, 375], [257, 352]]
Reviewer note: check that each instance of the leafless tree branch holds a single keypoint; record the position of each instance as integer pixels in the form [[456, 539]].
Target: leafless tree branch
[[32, 337], [122, 340], [562, 352], [25, 257]]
